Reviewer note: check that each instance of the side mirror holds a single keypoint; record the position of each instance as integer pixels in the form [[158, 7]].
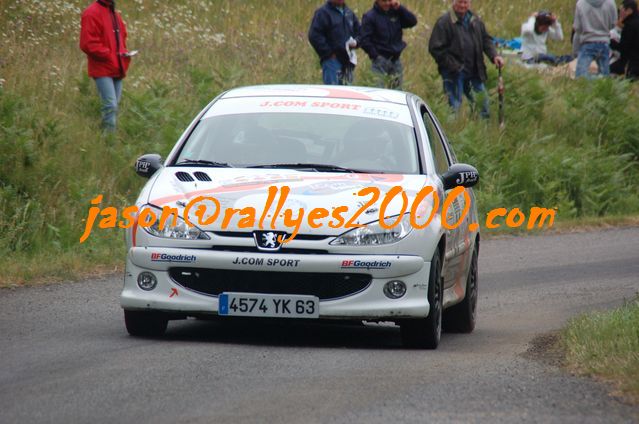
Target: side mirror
[[147, 165], [460, 174]]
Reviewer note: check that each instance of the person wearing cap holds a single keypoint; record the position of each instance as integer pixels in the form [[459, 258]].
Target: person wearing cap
[[103, 39], [382, 40], [458, 44], [333, 26], [535, 32]]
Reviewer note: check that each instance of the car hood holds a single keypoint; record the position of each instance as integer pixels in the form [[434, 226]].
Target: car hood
[[249, 188]]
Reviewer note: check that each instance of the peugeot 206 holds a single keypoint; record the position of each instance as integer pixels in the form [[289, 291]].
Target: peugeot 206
[[307, 202]]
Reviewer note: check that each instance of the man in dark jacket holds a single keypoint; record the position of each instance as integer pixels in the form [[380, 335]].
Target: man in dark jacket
[[333, 25], [103, 39], [382, 39], [458, 42], [629, 43]]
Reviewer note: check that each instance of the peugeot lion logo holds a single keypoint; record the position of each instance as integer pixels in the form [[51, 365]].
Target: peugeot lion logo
[[267, 240]]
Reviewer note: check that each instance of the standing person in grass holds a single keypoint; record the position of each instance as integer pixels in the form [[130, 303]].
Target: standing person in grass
[[629, 42], [594, 19], [333, 25], [381, 38], [103, 39], [458, 42]]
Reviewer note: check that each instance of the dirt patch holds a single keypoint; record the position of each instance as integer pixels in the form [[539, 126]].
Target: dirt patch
[[546, 348]]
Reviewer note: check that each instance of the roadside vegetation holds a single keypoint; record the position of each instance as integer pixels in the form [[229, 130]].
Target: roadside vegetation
[[605, 345], [573, 145]]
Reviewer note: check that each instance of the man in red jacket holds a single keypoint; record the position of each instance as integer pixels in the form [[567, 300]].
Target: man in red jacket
[[103, 39]]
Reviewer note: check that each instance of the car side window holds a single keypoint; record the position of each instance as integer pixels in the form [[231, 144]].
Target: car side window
[[436, 145]]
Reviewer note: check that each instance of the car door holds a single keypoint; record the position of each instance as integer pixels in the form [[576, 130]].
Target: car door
[[456, 243]]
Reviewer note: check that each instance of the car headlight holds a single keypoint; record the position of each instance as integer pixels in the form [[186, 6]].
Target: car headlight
[[181, 230], [374, 234]]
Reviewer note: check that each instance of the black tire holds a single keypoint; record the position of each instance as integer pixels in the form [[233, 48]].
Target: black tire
[[462, 317], [145, 324], [426, 332]]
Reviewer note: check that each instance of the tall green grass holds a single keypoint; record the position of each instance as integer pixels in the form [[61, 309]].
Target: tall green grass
[[568, 144]]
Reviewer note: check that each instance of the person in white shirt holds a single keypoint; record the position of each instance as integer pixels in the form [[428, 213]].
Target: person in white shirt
[[535, 32]]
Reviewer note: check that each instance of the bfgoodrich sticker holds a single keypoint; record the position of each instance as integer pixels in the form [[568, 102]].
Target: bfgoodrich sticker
[[165, 257], [357, 264]]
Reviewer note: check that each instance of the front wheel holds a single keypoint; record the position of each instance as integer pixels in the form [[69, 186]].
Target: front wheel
[[145, 324], [462, 317], [426, 333]]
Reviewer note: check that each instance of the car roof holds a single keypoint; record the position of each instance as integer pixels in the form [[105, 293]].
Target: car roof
[[320, 91]]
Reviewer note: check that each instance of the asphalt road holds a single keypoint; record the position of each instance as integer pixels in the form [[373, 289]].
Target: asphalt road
[[65, 356]]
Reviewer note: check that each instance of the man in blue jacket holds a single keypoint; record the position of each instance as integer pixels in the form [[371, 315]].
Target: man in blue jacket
[[382, 39], [333, 25]]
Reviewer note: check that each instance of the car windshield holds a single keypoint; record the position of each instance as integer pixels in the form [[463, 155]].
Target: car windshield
[[317, 142]]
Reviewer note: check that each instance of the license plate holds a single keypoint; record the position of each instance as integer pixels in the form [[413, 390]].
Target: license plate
[[268, 305]]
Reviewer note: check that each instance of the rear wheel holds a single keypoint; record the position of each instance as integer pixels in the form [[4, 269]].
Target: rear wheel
[[426, 333], [145, 324], [461, 318]]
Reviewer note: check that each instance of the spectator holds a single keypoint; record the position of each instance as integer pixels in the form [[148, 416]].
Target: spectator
[[629, 43], [333, 25], [594, 19], [535, 33], [458, 42], [617, 65], [381, 38], [103, 39]]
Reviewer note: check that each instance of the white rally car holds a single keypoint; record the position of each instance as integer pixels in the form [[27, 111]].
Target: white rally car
[[247, 179]]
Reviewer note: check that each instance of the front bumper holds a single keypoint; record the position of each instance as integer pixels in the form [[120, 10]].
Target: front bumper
[[370, 303]]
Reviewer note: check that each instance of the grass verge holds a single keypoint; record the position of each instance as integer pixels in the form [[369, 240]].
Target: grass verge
[[605, 345], [53, 267]]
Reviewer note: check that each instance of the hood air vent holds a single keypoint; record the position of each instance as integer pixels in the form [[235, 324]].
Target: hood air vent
[[202, 176], [184, 176]]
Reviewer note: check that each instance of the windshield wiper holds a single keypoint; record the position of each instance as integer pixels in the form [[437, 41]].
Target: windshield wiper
[[202, 162], [319, 167]]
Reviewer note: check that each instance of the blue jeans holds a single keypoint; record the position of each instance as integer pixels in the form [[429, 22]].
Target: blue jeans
[[110, 91], [334, 73], [550, 59], [599, 52], [457, 84], [390, 73]]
